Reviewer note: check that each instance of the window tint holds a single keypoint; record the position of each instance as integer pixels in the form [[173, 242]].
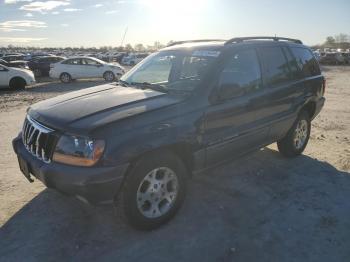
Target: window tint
[[241, 74], [275, 64], [306, 61], [295, 72]]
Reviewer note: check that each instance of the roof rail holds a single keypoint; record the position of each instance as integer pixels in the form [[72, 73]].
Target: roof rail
[[274, 38], [194, 41]]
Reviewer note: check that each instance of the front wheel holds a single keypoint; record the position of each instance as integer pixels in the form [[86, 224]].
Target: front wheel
[[65, 78], [17, 83], [295, 141], [109, 76], [154, 190]]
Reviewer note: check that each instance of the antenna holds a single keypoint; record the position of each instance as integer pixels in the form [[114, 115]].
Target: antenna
[[126, 30]]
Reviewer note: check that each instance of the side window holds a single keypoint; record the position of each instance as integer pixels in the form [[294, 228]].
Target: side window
[[306, 61], [240, 75], [90, 62], [295, 72], [73, 61], [193, 67], [275, 66]]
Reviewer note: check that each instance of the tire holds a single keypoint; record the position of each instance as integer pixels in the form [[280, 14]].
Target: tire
[[294, 143], [17, 83], [109, 76], [37, 73], [65, 78], [153, 191]]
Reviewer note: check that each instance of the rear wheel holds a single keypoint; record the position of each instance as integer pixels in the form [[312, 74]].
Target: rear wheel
[[295, 141], [109, 76], [65, 78], [17, 83], [154, 190]]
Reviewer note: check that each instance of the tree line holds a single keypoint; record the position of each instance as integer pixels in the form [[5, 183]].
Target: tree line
[[341, 41], [127, 48]]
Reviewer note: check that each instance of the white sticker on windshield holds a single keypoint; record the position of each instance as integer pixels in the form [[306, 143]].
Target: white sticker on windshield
[[206, 53]]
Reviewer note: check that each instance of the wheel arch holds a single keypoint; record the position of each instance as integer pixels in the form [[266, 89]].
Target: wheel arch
[[182, 150], [310, 108]]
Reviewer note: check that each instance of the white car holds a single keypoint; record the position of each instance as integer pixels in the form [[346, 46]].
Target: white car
[[15, 78], [85, 67]]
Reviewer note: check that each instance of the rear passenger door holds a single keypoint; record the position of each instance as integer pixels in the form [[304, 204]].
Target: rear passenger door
[[283, 86], [230, 122]]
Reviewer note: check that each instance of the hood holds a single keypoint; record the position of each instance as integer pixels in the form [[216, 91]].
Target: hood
[[26, 72], [114, 64], [90, 108]]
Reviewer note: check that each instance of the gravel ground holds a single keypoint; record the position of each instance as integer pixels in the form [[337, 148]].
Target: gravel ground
[[262, 207]]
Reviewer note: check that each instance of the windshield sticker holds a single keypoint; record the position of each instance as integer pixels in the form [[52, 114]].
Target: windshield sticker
[[206, 53]]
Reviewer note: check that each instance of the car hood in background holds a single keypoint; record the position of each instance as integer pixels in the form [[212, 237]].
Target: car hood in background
[[87, 109]]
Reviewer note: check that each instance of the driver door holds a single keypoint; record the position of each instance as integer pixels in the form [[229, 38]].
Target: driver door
[[230, 123]]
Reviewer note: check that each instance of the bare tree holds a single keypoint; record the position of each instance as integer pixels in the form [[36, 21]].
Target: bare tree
[[341, 38]]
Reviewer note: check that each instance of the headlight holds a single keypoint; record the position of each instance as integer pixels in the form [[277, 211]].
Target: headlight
[[78, 151]]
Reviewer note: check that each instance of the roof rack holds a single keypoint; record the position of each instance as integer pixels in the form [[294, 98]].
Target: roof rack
[[274, 38], [194, 41]]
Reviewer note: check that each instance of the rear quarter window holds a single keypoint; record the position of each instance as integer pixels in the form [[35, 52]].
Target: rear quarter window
[[306, 61]]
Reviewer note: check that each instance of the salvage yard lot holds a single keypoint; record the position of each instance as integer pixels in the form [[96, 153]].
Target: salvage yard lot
[[261, 207]]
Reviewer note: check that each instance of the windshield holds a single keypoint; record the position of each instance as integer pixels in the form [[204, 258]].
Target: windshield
[[177, 70]]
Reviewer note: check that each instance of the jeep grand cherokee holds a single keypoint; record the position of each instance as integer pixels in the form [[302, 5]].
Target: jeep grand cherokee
[[184, 109]]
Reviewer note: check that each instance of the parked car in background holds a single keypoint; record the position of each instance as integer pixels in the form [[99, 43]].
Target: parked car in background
[[85, 67], [332, 58], [41, 65], [15, 78], [317, 55], [10, 58], [346, 58], [133, 59], [36, 55], [182, 110], [19, 64]]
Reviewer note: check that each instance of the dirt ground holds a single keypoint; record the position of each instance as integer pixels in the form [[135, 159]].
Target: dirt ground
[[262, 207]]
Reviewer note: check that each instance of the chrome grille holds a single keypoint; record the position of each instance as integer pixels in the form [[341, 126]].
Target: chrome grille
[[38, 139]]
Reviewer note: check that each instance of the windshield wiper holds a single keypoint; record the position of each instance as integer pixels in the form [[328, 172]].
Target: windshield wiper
[[145, 85]]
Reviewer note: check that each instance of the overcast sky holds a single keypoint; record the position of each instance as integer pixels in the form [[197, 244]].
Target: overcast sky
[[98, 23]]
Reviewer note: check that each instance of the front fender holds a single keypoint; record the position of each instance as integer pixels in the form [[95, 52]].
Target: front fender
[[130, 145]]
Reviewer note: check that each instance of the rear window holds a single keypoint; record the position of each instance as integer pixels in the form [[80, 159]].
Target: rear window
[[306, 61], [276, 70]]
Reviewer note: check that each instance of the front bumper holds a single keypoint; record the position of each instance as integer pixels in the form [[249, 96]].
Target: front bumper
[[95, 185]]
